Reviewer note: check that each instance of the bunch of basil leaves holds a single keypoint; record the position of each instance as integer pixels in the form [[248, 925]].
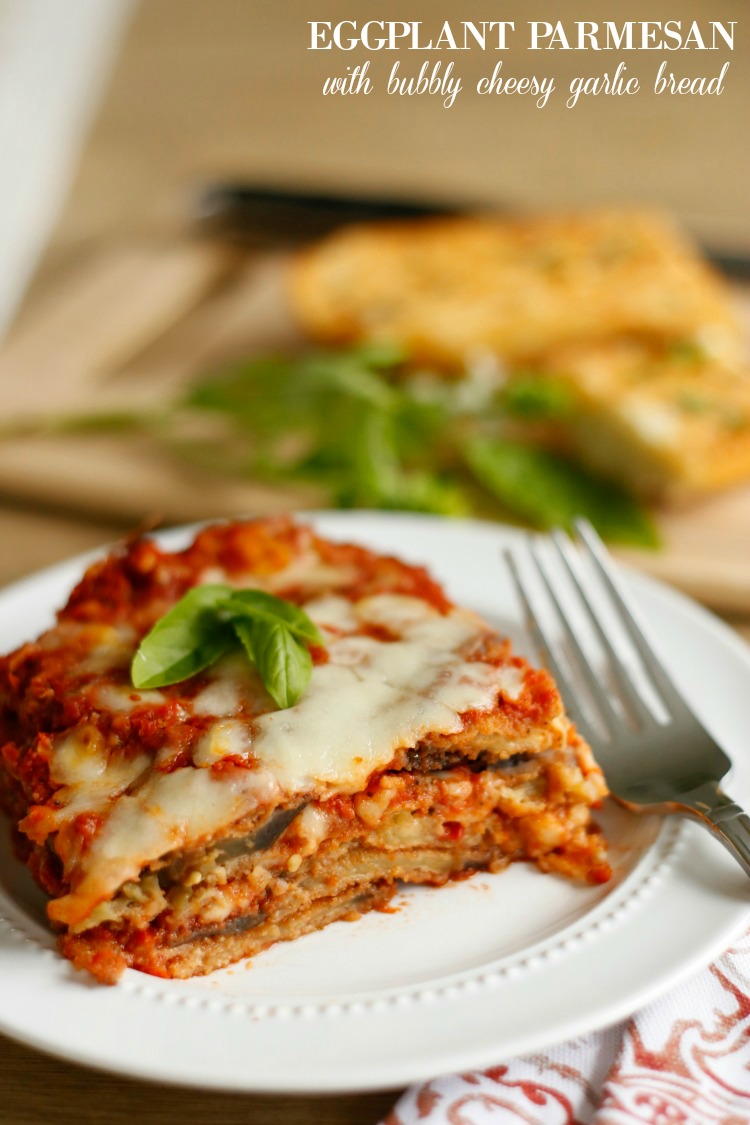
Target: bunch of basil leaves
[[212, 620], [348, 422]]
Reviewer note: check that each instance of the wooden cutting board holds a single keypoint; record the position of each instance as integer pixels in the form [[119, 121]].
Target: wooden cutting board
[[129, 326]]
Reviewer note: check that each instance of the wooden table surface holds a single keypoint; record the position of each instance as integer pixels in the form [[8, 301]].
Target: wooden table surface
[[44, 1091], [204, 90]]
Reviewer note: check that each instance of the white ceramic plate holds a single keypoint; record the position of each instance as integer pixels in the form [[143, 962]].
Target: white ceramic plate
[[458, 978]]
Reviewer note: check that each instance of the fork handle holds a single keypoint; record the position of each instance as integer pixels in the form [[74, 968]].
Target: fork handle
[[726, 820]]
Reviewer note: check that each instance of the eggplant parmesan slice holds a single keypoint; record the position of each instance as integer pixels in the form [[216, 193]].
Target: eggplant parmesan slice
[[180, 829]]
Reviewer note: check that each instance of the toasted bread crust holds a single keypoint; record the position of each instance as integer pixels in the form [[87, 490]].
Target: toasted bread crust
[[670, 425], [615, 305], [447, 289]]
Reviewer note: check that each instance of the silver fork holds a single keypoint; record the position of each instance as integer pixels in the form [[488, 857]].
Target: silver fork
[[667, 764]]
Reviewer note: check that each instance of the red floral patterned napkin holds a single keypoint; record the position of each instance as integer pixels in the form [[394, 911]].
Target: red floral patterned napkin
[[683, 1060]]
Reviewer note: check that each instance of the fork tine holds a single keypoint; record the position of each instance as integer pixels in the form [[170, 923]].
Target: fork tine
[[597, 555], [543, 642], [675, 767], [627, 688], [608, 714]]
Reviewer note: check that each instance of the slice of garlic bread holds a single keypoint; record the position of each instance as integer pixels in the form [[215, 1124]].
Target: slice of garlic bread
[[669, 423], [450, 289]]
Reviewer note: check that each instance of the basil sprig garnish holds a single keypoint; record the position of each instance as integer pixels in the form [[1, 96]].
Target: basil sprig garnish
[[350, 428], [210, 621]]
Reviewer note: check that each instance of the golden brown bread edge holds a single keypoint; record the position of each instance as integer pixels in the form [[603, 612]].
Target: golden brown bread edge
[[606, 301], [447, 289]]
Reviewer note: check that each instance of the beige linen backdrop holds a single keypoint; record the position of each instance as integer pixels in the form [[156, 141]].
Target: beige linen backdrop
[[228, 87]]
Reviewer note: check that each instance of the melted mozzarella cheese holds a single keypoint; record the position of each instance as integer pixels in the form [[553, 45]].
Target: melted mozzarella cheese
[[88, 778], [308, 572], [657, 424], [112, 648], [332, 613], [221, 697], [312, 827], [304, 572], [228, 738], [344, 728], [372, 697], [120, 697], [511, 681], [400, 613], [108, 642], [164, 814], [233, 683]]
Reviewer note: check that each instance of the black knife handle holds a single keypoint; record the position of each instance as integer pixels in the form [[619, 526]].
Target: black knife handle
[[239, 209], [267, 214]]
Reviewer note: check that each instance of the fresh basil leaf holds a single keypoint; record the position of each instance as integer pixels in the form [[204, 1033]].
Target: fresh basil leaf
[[380, 355], [354, 381], [686, 351], [258, 604], [238, 389], [376, 477], [374, 455], [283, 661], [344, 422], [210, 620], [550, 491], [185, 641], [421, 491], [537, 397], [339, 420], [693, 402], [410, 492]]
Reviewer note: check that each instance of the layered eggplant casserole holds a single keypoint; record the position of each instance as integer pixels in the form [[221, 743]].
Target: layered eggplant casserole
[[179, 829]]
